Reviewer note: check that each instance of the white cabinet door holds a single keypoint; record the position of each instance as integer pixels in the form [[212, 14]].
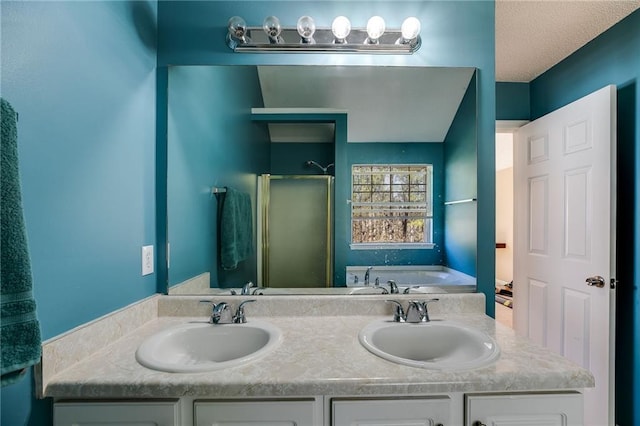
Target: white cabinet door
[[391, 412], [161, 413], [303, 412], [558, 409]]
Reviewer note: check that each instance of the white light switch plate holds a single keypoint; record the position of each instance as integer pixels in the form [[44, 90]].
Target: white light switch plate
[[147, 260]]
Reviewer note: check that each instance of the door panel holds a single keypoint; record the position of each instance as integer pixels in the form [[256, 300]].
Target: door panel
[[564, 188]]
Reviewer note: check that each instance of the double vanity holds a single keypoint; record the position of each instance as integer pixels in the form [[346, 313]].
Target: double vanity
[[308, 360]]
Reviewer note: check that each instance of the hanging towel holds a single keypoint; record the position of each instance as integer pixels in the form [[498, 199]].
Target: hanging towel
[[19, 327], [236, 228]]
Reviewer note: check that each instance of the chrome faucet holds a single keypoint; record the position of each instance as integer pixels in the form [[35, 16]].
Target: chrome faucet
[[366, 275], [416, 311], [221, 313], [246, 289], [393, 287]]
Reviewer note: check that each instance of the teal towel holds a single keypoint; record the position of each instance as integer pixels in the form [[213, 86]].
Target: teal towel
[[236, 229], [19, 327]]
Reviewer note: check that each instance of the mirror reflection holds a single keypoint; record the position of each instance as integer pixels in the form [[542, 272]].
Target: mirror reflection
[[321, 179]]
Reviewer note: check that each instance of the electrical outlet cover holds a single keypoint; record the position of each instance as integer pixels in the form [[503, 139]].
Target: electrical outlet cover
[[147, 260]]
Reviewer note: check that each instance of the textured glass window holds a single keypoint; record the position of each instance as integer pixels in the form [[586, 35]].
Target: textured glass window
[[391, 203]]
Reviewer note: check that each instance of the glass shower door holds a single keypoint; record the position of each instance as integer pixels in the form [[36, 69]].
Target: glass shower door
[[297, 231]]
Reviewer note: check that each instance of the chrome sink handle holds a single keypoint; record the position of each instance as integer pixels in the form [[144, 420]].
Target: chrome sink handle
[[426, 310], [259, 291], [399, 315], [239, 317], [408, 289], [416, 311], [220, 314]]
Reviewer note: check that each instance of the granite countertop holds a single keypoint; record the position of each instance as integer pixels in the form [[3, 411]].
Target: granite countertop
[[318, 355]]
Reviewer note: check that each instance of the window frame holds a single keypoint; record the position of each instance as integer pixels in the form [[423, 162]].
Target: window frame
[[428, 216]]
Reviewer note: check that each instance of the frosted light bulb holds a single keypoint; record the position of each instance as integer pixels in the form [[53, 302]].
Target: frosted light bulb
[[237, 27], [306, 28], [375, 28], [341, 27], [410, 28], [272, 27]]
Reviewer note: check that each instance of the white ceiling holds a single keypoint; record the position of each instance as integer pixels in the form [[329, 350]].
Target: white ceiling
[[534, 35], [384, 104]]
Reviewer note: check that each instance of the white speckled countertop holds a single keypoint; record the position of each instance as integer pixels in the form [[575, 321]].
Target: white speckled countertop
[[319, 355]]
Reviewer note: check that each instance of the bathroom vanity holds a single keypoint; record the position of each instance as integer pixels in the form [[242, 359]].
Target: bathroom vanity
[[319, 374]]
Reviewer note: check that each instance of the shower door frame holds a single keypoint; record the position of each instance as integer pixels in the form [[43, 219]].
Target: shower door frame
[[264, 186]]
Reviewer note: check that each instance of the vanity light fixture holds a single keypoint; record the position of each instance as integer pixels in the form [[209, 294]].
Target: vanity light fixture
[[340, 37]]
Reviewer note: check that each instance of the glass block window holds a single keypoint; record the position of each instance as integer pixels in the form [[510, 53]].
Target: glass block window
[[391, 204]]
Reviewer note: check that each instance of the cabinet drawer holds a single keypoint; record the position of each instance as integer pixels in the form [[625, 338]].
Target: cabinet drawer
[[391, 412], [258, 412], [143, 413]]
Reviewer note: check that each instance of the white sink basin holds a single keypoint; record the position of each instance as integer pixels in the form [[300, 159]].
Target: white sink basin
[[438, 345], [200, 347]]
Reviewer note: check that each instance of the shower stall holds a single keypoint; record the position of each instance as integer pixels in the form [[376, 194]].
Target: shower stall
[[295, 231]]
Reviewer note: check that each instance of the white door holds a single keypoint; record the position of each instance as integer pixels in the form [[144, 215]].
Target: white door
[[564, 184]]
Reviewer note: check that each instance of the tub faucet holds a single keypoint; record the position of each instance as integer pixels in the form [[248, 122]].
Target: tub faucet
[[366, 275]]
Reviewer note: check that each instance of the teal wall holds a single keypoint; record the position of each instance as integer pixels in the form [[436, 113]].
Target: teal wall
[[512, 101], [82, 77], [460, 165], [455, 33], [612, 58], [290, 158], [211, 142]]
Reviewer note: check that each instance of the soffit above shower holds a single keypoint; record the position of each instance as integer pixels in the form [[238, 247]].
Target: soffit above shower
[[384, 104]]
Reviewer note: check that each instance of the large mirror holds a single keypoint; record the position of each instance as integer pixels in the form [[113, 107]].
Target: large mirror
[[321, 179]]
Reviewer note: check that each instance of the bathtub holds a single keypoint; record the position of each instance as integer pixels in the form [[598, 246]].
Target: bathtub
[[414, 276]]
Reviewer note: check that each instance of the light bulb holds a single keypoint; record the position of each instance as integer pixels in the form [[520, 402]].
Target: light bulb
[[341, 27], [410, 28], [375, 28], [306, 28], [237, 27], [272, 28]]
